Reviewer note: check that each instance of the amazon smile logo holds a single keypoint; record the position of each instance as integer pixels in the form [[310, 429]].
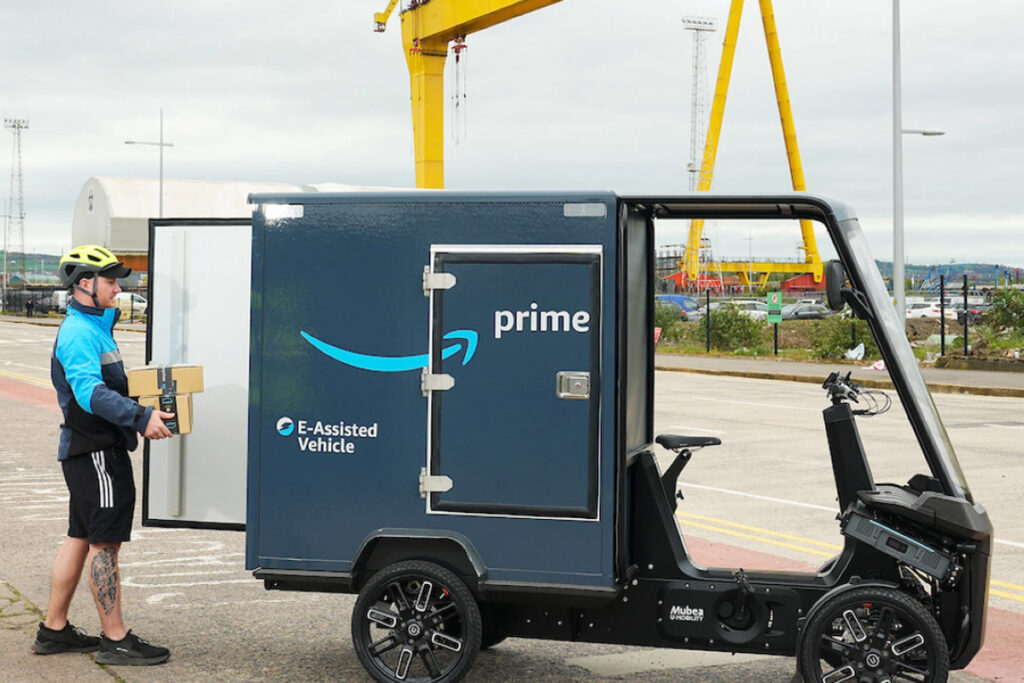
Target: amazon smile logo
[[396, 363]]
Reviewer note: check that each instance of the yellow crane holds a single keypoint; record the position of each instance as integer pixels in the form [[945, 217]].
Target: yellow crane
[[427, 28], [690, 265]]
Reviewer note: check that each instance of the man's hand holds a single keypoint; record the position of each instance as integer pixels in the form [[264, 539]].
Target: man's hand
[[156, 429]]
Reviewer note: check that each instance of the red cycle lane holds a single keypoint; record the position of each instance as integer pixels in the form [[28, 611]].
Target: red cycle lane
[[40, 397]]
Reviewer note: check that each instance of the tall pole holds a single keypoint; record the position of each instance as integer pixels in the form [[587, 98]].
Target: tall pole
[[161, 144], [700, 27], [3, 284], [161, 163], [16, 203], [897, 167]]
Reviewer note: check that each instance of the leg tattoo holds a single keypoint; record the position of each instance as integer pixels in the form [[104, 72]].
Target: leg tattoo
[[104, 576]]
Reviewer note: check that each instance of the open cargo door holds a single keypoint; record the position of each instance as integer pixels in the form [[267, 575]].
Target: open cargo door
[[199, 290]]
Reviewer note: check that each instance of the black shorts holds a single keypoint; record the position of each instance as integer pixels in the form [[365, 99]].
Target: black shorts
[[102, 489]]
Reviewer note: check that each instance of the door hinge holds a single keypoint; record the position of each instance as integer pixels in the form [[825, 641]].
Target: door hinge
[[429, 382], [432, 281], [433, 483]]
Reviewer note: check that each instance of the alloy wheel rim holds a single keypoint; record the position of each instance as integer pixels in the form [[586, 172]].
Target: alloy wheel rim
[[413, 630], [874, 643]]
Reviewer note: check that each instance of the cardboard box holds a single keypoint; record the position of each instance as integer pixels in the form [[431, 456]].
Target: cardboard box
[[154, 380], [179, 404], [168, 388]]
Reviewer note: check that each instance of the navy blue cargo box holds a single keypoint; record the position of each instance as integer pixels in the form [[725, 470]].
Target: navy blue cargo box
[[444, 366]]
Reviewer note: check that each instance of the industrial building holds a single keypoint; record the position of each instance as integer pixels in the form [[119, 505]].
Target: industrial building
[[115, 212]]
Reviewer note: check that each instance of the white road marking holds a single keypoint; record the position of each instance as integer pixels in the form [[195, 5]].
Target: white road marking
[[184, 584], [189, 573], [997, 426], [696, 429], [228, 602], [190, 560], [33, 367], [773, 406], [759, 497]]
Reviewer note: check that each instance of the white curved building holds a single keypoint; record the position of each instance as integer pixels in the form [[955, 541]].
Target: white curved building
[[115, 212]]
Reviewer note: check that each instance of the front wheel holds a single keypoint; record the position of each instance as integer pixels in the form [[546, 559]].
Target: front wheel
[[873, 635], [416, 622]]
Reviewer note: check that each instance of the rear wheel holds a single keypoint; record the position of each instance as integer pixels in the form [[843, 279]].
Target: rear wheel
[[873, 635], [416, 622]]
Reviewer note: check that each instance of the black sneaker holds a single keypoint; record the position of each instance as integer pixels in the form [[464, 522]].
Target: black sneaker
[[130, 651], [68, 639]]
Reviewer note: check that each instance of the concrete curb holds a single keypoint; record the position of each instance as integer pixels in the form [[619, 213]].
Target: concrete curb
[[55, 322], [1002, 392]]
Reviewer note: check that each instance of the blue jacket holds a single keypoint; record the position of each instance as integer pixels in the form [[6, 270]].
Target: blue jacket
[[91, 384]]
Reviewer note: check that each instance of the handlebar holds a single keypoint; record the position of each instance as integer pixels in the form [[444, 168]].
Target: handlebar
[[842, 389]]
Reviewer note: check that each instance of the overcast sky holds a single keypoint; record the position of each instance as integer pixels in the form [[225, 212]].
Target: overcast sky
[[585, 94]]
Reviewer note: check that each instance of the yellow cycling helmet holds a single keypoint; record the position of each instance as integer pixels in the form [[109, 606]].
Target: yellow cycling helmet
[[90, 260]]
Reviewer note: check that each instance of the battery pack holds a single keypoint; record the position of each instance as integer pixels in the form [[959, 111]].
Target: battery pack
[[897, 545]]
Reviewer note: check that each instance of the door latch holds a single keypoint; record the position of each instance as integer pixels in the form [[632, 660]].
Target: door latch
[[572, 384], [439, 382], [432, 281], [433, 483]]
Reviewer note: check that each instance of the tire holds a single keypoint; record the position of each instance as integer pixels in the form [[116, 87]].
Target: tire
[[873, 635], [416, 622]]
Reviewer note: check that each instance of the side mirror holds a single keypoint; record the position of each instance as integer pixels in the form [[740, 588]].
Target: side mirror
[[835, 278]]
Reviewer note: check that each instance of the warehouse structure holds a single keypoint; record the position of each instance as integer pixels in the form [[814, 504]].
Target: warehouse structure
[[115, 212]]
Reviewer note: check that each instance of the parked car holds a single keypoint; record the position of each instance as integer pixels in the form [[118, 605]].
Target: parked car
[[684, 302], [758, 310], [59, 301], [928, 310], [702, 311], [131, 303], [674, 310], [806, 312], [973, 314]]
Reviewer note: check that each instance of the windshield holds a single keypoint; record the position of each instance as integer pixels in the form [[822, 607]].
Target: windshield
[[900, 361]]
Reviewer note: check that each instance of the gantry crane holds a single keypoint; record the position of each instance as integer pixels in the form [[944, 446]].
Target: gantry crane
[[427, 28], [690, 265]]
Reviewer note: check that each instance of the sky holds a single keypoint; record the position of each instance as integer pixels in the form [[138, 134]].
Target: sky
[[581, 95]]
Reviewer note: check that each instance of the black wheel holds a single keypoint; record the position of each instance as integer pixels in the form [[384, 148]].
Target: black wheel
[[873, 635], [416, 622]]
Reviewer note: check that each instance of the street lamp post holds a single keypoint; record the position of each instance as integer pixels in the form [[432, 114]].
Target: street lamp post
[[161, 144], [898, 131], [3, 284]]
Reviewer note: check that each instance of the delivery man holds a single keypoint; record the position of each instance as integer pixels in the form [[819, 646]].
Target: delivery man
[[100, 425]]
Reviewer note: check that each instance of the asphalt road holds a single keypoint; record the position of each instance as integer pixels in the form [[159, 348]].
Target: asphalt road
[[762, 498]]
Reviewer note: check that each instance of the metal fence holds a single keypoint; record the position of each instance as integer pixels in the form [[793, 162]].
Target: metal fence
[[45, 301]]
